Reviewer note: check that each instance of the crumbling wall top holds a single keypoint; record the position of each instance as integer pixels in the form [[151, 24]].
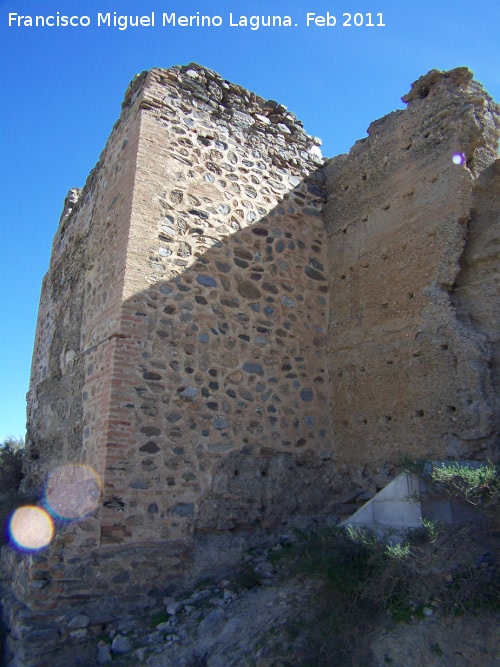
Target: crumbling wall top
[[235, 110], [460, 77]]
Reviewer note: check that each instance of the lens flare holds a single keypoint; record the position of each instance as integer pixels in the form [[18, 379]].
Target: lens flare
[[31, 528], [458, 158], [72, 491]]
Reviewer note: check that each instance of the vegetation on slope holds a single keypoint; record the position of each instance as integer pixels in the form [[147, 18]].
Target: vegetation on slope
[[437, 569], [11, 461]]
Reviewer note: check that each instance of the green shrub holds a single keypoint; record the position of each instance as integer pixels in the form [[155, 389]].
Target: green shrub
[[477, 485], [450, 569], [11, 462]]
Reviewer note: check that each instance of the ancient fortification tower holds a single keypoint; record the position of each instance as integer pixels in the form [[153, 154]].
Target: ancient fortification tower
[[234, 333]]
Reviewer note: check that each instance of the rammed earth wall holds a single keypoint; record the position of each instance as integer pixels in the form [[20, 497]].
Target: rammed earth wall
[[413, 253], [237, 336]]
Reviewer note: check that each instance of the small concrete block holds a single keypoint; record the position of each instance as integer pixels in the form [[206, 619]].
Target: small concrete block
[[403, 513], [363, 517], [438, 510]]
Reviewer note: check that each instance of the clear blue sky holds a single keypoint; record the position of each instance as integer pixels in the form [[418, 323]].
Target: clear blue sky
[[62, 87]]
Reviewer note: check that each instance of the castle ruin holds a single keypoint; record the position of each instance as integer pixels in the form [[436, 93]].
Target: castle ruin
[[233, 332]]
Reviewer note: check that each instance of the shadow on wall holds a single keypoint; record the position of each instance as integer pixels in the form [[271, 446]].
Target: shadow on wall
[[220, 394]]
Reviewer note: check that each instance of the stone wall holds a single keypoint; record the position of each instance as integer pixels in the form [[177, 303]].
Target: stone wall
[[224, 315], [183, 319], [79, 314], [411, 376]]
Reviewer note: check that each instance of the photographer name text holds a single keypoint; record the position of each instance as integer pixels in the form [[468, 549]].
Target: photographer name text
[[197, 20]]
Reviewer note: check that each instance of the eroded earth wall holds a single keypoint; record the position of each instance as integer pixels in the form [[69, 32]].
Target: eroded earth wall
[[476, 293], [413, 264]]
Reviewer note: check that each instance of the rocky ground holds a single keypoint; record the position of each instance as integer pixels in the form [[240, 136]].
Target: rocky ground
[[261, 616], [281, 608], [254, 617]]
